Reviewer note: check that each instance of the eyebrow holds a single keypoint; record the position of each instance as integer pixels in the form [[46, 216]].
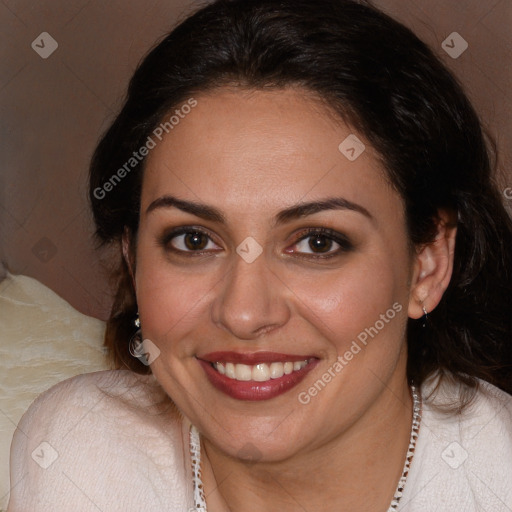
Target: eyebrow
[[211, 213]]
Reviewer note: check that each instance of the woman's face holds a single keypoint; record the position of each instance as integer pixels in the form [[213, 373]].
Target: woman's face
[[284, 247]]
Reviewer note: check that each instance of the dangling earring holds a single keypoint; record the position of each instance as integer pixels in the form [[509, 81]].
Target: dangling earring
[[425, 317], [135, 346]]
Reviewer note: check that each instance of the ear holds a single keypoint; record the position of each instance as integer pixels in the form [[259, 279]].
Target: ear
[[433, 267], [126, 242]]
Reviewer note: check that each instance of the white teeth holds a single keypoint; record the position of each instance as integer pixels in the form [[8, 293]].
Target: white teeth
[[243, 372], [261, 372], [230, 370], [276, 370]]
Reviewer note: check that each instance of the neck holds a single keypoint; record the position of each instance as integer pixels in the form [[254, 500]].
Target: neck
[[357, 470]]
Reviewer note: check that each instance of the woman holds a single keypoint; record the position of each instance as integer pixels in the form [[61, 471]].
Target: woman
[[315, 286]]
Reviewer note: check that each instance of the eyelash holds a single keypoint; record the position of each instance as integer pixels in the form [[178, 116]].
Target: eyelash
[[329, 234]]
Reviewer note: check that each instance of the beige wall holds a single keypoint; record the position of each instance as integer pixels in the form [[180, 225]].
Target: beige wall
[[53, 111]]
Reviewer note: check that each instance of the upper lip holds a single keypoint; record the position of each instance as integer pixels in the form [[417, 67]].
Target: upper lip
[[251, 358]]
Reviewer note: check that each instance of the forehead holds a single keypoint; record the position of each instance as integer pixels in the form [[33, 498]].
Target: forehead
[[262, 150]]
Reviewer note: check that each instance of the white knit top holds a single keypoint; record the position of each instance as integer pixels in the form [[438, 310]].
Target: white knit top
[[112, 441]]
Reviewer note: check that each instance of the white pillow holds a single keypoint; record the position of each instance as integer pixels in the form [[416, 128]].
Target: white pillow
[[43, 340]]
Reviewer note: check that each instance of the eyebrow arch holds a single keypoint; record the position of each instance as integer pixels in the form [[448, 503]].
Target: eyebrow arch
[[294, 212], [331, 203], [199, 210]]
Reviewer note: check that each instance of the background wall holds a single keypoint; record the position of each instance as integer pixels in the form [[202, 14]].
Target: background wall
[[54, 109]]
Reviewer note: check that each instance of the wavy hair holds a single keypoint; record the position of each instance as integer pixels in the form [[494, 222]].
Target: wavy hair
[[375, 74]]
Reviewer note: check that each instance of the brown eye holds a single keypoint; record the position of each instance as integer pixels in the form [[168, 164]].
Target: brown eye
[[195, 241], [320, 243], [188, 240]]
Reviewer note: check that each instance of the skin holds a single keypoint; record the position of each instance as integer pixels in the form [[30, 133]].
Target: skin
[[251, 154]]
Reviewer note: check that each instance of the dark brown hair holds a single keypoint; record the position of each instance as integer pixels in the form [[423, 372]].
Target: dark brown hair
[[377, 75]]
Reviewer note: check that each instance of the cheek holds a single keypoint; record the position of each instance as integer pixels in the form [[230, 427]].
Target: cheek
[[170, 302], [342, 304]]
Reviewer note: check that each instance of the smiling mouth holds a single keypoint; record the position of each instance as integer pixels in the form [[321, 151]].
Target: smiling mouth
[[255, 376], [261, 372]]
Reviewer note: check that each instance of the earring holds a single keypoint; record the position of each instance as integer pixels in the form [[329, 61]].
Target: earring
[[135, 346], [425, 317]]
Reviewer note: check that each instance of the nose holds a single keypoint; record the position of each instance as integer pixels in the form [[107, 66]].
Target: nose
[[251, 301]]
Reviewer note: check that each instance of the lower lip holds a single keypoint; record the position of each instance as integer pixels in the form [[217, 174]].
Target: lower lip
[[252, 390]]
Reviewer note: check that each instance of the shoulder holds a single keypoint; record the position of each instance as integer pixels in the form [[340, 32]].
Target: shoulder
[[113, 435], [488, 411], [115, 387], [495, 406], [95, 399], [462, 459]]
